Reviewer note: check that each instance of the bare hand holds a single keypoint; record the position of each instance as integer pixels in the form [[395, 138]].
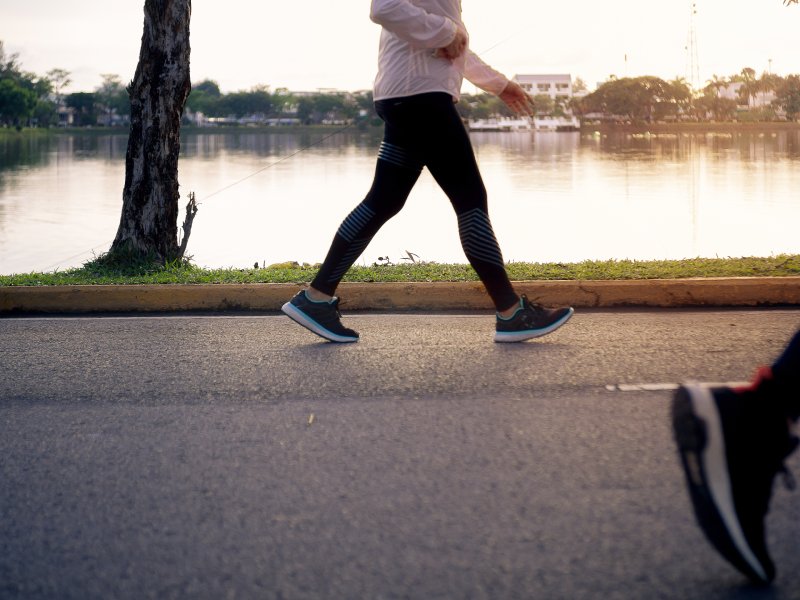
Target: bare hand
[[455, 48], [517, 100]]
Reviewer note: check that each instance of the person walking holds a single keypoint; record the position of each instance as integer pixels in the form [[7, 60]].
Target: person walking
[[423, 58], [732, 443]]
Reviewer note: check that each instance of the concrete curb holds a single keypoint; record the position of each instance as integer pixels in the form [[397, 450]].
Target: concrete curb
[[466, 296]]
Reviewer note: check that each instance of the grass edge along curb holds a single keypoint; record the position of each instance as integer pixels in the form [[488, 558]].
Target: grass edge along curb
[[185, 273], [407, 296]]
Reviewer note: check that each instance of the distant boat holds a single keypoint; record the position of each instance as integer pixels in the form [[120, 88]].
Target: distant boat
[[525, 124], [502, 124], [556, 123]]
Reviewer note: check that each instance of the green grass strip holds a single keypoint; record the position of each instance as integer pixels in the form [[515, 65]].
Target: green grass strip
[[97, 273]]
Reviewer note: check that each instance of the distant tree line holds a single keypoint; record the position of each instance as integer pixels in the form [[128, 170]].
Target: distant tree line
[[309, 108], [653, 99], [23, 95], [27, 99], [648, 99]]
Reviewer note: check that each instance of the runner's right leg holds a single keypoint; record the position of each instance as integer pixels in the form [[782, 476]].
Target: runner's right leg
[[396, 172]]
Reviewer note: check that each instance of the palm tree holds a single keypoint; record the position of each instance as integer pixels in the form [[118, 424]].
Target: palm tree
[[769, 82], [750, 86], [681, 93], [716, 83]]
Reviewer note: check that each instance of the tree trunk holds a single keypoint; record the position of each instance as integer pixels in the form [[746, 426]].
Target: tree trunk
[[158, 93]]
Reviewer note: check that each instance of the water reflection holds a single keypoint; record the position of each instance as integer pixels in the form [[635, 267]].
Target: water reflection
[[210, 146], [273, 196], [748, 146], [23, 151]]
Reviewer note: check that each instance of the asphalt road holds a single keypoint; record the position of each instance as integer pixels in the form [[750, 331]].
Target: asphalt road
[[239, 457]]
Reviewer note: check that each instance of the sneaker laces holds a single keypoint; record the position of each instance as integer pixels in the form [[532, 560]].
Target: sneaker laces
[[335, 304], [528, 304]]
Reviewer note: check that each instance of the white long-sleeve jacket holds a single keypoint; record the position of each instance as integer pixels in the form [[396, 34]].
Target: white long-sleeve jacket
[[407, 65]]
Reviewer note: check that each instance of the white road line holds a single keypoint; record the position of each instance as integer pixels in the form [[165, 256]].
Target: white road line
[[662, 387]]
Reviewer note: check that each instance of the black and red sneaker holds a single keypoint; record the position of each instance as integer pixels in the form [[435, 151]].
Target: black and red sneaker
[[732, 442]]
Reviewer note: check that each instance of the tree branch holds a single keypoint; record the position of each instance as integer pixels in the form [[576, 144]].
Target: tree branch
[[191, 211]]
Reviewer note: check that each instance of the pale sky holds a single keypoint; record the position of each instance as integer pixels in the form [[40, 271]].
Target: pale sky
[[310, 44]]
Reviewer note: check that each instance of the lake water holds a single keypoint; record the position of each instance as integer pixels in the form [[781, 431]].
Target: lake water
[[552, 197]]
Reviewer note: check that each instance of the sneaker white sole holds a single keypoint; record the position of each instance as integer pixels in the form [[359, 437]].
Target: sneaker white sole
[[717, 478], [298, 316], [529, 334]]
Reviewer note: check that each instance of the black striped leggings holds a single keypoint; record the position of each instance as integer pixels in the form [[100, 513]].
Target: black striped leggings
[[422, 131]]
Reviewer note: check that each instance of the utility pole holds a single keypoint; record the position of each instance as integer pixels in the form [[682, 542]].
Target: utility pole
[[692, 63]]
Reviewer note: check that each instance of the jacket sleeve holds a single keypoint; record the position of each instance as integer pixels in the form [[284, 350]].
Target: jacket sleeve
[[412, 24], [484, 76]]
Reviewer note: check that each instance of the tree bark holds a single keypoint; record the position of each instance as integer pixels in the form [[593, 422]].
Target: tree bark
[[158, 93]]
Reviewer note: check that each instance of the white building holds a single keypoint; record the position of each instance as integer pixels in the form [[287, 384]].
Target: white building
[[760, 100], [558, 87], [555, 86]]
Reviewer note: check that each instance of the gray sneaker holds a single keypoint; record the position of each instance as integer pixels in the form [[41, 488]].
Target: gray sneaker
[[530, 321], [320, 317]]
